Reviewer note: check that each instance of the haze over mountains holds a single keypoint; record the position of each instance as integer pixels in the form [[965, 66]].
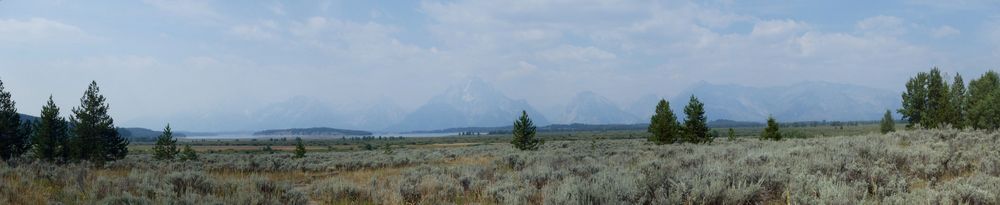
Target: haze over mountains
[[590, 108], [476, 103], [472, 104]]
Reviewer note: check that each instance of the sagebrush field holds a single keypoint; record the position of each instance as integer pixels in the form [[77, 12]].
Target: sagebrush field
[[909, 167]]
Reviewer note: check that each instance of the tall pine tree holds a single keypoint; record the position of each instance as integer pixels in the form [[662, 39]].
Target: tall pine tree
[[938, 108], [95, 137], [663, 125], [166, 145], [51, 137], [959, 105], [13, 135], [695, 123], [524, 134], [915, 100]]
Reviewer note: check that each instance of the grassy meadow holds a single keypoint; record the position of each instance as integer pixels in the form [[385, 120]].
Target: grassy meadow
[[620, 167]]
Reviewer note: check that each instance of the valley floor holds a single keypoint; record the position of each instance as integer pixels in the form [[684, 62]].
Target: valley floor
[[909, 167]]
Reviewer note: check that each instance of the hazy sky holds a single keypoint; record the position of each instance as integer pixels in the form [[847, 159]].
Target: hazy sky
[[158, 57]]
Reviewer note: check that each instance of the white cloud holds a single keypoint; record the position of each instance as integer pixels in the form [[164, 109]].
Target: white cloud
[[571, 53], [277, 8], [778, 28], [263, 30], [40, 30], [547, 48], [957, 4], [646, 42], [990, 32], [882, 25], [944, 31], [186, 8]]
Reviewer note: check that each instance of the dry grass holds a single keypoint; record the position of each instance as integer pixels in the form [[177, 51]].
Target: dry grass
[[220, 148], [915, 167]]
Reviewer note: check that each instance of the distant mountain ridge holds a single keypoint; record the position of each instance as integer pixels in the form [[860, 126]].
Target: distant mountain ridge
[[25, 117], [472, 104], [590, 108], [298, 111], [806, 101], [138, 134], [476, 103], [315, 131]]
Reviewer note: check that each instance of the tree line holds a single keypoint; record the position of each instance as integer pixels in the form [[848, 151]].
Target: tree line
[[88, 135], [663, 126], [930, 101]]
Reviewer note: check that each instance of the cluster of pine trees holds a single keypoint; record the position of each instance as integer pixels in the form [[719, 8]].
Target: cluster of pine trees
[[929, 101], [666, 130], [88, 135]]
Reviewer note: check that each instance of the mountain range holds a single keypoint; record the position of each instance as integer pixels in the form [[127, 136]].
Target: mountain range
[[590, 108], [472, 104], [804, 101], [476, 103]]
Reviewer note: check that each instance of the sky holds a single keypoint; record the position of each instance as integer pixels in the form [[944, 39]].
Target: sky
[[157, 57]]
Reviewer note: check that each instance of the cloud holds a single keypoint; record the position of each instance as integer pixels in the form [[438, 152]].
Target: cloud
[[543, 51], [263, 30], [41, 31], [186, 8], [277, 8], [637, 43], [957, 4], [778, 28], [882, 25], [944, 31], [990, 33], [575, 53]]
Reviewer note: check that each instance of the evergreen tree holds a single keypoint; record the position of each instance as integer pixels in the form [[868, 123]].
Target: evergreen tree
[[979, 93], [988, 112], [696, 124], [300, 149], [938, 108], [51, 137], [166, 145], [888, 124], [915, 100], [959, 105], [771, 132], [731, 134], [13, 138], [188, 154], [663, 125], [95, 136], [524, 134]]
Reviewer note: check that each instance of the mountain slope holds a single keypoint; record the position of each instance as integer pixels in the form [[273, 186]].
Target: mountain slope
[[472, 104], [138, 134], [377, 116], [589, 108], [27, 117], [298, 111], [799, 102], [644, 107]]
